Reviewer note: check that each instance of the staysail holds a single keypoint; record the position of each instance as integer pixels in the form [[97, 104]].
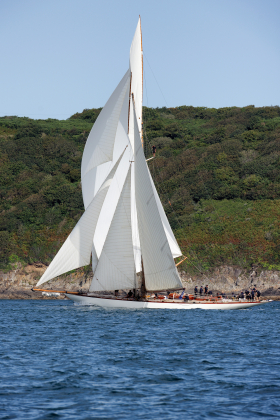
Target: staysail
[[76, 250], [159, 267], [116, 268]]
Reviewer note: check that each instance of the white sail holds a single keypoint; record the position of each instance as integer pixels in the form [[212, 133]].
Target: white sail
[[95, 178], [111, 201], [135, 228], [92, 180], [116, 269], [100, 143], [136, 89], [175, 249], [159, 267], [76, 250]]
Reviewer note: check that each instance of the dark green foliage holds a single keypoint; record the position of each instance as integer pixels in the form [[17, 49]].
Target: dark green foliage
[[87, 114], [5, 248], [211, 167]]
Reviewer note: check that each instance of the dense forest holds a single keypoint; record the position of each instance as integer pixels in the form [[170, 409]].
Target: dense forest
[[217, 172]]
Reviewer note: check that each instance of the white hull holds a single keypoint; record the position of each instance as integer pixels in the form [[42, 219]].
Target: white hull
[[132, 304]]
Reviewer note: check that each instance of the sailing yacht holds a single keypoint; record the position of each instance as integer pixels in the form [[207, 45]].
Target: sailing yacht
[[124, 231]]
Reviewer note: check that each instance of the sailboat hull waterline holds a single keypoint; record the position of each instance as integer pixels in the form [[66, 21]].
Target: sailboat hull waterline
[[133, 304]]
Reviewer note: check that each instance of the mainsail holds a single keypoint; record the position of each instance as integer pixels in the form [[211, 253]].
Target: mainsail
[[116, 269], [124, 220]]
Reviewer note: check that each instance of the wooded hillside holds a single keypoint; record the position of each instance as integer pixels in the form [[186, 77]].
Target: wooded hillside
[[217, 172]]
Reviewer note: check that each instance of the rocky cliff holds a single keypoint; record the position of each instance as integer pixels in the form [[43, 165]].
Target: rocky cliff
[[17, 283], [230, 280]]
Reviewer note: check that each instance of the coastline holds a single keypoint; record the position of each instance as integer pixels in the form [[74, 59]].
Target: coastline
[[17, 283]]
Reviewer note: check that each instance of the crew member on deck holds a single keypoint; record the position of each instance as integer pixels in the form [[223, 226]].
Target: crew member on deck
[[195, 290], [201, 290], [130, 294], [154, 150], [206, 289]]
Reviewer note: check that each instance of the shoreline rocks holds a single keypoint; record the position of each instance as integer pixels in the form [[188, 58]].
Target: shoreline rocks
[[17, 283], [230, 280]]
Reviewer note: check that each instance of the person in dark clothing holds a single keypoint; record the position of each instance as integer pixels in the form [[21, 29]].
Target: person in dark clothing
[[206, 289], [186, 298], [253, 294], [201, 290], [154, 150], [195, 290], [258, 294], [130, 294], [241, 295]]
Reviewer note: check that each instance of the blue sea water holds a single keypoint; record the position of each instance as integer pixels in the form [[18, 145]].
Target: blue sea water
[[60, 361]]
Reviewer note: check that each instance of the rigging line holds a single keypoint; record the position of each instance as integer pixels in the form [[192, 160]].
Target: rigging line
[[182, 137], [146, 59], [160, 188], [146, 89], [164, 193], [175, 214], [147, 106], [180, 130], [101, 284]]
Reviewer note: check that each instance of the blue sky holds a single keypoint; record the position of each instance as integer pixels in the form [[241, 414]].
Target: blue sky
[[59, 57]]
